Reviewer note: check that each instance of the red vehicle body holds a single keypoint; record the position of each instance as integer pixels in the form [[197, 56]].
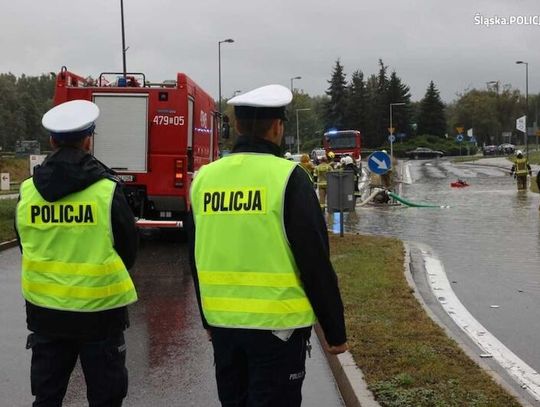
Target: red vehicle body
[[154, 135], [343, 143]]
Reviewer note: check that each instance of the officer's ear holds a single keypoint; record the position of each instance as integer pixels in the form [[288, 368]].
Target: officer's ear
[[53, 143], [87, 143]]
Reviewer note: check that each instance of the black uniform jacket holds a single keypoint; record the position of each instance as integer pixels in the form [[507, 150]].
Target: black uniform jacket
[[65, 171], [307, 233]]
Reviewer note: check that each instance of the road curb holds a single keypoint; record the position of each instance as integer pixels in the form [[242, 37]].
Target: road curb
[[469, 349], [8, 245], [349, 377]]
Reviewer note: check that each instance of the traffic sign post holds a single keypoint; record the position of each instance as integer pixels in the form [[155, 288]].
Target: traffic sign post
[[459, 139], [4, 181]]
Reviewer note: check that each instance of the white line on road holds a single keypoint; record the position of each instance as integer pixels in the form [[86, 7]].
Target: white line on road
[[490, 346]]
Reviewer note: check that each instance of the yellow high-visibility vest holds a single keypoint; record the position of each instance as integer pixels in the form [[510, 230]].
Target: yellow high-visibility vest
[[247, 274], [69, 262], [521, 166]]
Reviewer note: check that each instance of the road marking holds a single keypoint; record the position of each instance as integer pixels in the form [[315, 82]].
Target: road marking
[[490, 346]]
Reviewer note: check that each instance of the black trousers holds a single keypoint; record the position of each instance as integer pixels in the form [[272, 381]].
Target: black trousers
[[102, 362], [254, 368]]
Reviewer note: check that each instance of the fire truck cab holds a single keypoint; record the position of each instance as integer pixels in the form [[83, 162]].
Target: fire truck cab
[[344, 143], [154, 135]]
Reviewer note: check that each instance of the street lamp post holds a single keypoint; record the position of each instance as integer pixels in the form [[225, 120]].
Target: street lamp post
[[124, 49], [228, 40], [292, 79], [490, 85], [526, 104], [298, 130], [391, 129]]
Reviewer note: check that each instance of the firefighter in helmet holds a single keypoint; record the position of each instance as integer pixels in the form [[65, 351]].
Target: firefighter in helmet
[[261, 292], [321, 171], [78, 239], [520, 170]]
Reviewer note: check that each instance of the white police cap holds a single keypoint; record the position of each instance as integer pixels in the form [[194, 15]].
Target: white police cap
[[265, 96], [266, 102], [71, 120]]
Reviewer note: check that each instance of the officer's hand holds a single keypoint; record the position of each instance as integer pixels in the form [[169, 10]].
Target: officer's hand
[[336, 350]]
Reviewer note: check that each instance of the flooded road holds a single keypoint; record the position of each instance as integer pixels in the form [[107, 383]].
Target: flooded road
[[169, 358], [488, 241]]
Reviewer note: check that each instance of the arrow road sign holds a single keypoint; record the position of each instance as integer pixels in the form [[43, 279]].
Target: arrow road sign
[[521, 124], [379, 162]]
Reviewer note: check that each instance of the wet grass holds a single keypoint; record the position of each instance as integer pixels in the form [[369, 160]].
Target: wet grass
[[7, 215], [406, 358]]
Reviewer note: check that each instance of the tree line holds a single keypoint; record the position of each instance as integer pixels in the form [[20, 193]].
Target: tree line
[[23, 101], [361, 102]]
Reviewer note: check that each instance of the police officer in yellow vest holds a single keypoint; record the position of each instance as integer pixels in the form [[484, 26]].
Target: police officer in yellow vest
[[260, 259], [520, 170], [78, 239]]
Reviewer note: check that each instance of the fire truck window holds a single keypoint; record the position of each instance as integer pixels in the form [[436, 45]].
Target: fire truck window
[[163, 96]]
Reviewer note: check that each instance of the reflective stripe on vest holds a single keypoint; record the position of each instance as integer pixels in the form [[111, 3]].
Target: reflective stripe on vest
[[247, 274], [521, 166], [69, 262]]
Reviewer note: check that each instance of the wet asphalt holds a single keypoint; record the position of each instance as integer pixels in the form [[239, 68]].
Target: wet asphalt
[[488, 241], [170, 359]]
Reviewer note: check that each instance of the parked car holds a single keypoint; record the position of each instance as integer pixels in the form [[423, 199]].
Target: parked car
[[506, 148], [423, 152], [490, 150], [317, 154]]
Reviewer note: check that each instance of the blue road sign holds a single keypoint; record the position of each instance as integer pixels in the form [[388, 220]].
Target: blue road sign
[[459, 138], [379, 162], [391, 138]]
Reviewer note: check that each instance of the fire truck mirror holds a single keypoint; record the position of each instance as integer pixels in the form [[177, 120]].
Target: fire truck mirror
[[225, 127]]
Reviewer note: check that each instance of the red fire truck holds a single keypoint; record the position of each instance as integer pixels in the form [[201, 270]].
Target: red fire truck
[[154, 135], [343, 142]]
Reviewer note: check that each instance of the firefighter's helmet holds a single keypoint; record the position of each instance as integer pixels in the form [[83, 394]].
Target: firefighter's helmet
[[347, 160]]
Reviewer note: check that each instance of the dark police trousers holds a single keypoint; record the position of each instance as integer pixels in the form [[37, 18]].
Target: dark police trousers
[[102, 362], [255, 368]]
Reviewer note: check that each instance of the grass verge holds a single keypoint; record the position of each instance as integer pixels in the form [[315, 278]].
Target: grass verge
[[7, 215], [406, 358]]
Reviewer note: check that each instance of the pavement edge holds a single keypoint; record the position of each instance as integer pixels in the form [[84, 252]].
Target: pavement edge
[[349, 377], [463, 342], [8, 245]]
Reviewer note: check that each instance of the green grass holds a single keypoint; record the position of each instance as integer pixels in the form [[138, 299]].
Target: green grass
[[534, 157], [406, 358], [7, 215]]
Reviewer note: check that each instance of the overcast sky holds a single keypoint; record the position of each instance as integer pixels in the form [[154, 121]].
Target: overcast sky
[[276, 40]]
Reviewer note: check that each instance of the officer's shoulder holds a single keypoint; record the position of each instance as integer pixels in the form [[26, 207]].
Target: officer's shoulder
[[114, 178]]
